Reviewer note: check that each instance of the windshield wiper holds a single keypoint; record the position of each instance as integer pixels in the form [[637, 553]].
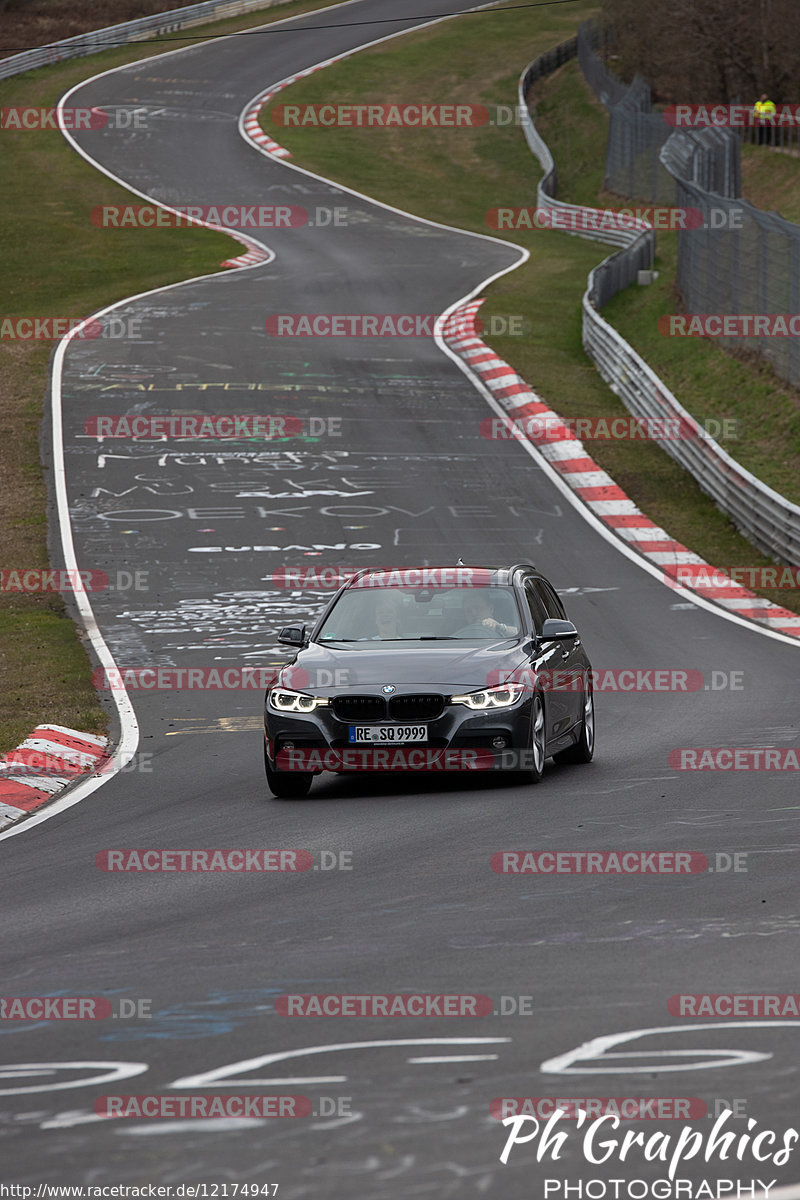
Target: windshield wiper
[[425, 637]]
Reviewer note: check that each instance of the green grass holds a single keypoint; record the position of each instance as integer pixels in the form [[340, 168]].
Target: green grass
[[712, 383], [452, 175], [708, 381], [771, 180], [457, 176], [57, 264], [60, 265]]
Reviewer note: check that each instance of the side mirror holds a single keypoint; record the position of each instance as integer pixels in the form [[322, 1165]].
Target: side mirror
[[558, 631], [293, 635]]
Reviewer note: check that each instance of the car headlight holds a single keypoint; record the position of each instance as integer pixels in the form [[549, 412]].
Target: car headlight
[[285, 700], [496, 697]]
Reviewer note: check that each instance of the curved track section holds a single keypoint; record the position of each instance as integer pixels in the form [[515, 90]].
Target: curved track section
[[400, 1103]]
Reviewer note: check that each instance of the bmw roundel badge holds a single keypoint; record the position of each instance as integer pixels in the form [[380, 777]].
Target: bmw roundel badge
[[387, 689]]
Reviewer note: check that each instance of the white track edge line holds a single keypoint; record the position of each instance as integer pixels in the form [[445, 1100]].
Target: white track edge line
[[247, 111], [129, 726], [599, 526], [129, 740], [578, 504]]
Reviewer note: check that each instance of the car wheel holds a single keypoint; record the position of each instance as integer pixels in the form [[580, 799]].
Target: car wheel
[[583, 750], [537, 742], [287, 785]]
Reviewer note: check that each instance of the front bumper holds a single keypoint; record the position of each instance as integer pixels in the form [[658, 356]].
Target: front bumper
[[460, 739]]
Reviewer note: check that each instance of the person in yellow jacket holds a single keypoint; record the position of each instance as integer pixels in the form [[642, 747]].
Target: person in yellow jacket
[[764, 111]]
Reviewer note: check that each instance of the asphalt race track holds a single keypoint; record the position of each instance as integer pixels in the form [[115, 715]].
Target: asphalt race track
[[402, 1104]]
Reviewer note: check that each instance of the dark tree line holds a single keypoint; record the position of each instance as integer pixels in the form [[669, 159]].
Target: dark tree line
[[709, 51]]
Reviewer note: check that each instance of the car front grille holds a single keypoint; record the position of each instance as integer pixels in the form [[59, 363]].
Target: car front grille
[[359, 708], [424, 707]]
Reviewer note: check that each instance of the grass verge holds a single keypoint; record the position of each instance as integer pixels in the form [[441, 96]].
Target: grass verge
[[708, 381], [457, 176], [38, 22], [57, 264]]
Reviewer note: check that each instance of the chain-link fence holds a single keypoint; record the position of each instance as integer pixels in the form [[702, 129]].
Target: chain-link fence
[[708, 158], [738, 260], [623, 268], [769, 520], [638, 241], [782, 134], [741, 260], [610, 91], [636, 134]]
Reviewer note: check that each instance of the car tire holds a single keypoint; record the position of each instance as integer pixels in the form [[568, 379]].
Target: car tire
[[583, 750], [287, 785], [536, 743]]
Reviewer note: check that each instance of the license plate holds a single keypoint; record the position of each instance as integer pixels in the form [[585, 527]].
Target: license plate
[[369, 734]]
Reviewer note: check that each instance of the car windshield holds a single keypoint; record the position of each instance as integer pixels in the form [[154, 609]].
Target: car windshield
[[381, 612]]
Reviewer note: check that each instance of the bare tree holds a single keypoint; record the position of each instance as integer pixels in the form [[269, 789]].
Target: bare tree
[[710, 51]]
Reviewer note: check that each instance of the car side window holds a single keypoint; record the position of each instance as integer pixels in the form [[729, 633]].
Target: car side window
[[550, 600], [538, 611]]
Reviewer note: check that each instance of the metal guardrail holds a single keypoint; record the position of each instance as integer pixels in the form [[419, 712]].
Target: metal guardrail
[[635, 164], [768, 519], [610, 91], [741, 259], [547, 190], [708, 158], [129, 31]]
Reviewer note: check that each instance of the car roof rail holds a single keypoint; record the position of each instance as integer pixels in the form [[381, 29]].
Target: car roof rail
[[482, 566], [520, 566]]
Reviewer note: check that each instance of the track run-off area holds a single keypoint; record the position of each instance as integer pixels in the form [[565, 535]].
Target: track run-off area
[[401, 893]]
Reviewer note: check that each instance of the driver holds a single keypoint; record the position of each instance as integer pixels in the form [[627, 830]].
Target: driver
[[479, 612]]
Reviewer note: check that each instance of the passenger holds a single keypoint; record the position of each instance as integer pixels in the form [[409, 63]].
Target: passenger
[[387, 618]]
